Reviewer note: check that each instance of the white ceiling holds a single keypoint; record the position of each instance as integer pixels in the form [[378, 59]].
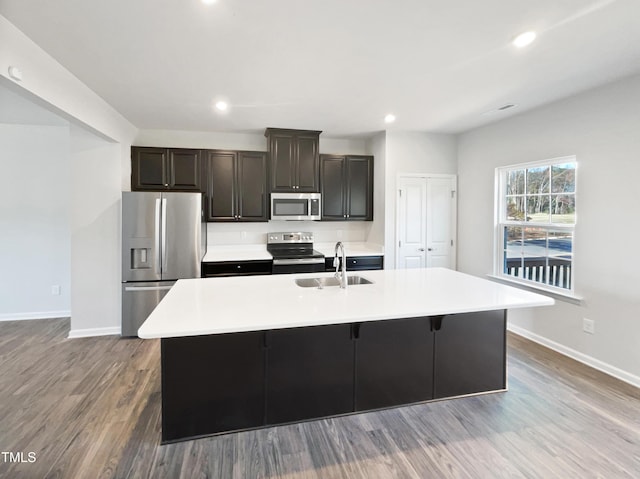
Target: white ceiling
[[332, 65]]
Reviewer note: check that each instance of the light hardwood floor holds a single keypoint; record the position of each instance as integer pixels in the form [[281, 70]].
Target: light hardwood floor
[[90, 408]]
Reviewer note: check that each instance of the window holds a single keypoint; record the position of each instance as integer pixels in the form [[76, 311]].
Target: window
[[536, 218]]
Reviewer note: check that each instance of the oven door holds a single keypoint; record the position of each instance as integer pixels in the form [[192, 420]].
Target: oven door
[[297, 265]]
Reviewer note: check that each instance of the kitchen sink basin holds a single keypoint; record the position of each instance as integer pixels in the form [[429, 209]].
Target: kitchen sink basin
[[330, 281]]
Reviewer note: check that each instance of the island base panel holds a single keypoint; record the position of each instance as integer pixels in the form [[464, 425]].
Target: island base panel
[[470, 354], [212, 384], [394, 363], [215, 384], [309, 373]]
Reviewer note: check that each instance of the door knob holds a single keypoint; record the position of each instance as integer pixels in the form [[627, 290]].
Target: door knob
[[420, 249], [429, 249]]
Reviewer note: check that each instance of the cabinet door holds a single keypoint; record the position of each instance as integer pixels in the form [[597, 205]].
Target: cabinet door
[[184, 170], [470, 354], [220, 188], [360, 263], [149, 169], [236, 268], [359, 188], [332, 183], [281, 148], [309, 373], [212, 384], [394, 363], [306, 163], [252, 186]]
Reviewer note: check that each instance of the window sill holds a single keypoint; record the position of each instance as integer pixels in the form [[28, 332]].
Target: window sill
[[567, 297]]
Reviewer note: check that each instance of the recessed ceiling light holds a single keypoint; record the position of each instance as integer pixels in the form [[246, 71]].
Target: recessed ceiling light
[[222, 106], [389, 118], [524, 39]]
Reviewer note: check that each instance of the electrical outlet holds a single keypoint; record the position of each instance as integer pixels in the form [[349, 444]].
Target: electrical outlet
[[55, 290], [588, 325]]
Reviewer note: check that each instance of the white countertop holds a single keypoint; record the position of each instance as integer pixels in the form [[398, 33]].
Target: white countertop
[[350, 249], [252, 303], [253, 252], [248, 252]]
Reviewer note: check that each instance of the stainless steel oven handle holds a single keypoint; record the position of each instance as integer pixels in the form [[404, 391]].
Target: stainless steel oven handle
[[294, 261]]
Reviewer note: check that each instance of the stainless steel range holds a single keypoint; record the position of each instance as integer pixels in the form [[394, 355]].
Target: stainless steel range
[[293, 253]]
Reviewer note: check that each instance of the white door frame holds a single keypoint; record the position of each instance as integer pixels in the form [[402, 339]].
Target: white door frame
[[454, 214]]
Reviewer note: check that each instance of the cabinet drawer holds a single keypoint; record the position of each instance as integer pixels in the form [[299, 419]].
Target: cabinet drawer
[[358, 263], [236, 268]]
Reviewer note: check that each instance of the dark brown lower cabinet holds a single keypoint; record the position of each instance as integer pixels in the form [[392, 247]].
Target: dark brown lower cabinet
[[394, 363], [470, 354], [229, 382], [309, 373], [212, 384]]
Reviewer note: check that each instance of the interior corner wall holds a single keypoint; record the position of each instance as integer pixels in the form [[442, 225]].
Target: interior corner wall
[[377, 147], [412, 152], [99, 147], [35, 243], [95, 234], [601, 128]]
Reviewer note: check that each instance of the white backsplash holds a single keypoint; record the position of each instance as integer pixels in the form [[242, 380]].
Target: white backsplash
[[256, 233]]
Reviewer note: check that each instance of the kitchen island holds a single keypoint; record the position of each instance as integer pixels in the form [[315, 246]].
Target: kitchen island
[[247, 352]]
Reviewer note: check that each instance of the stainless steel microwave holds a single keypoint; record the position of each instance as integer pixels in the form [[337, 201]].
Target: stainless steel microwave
[[295, 206]]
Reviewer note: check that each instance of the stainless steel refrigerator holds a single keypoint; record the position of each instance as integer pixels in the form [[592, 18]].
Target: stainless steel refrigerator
[[163, 240]]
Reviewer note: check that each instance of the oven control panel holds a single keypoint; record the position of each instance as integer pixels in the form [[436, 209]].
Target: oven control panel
[[292, 237]]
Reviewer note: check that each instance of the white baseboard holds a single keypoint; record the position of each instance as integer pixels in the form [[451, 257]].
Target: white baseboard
[[90, 332], [578, 356], [34, 315]]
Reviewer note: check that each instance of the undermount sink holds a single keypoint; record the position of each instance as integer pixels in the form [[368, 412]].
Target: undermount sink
[[329, 281]]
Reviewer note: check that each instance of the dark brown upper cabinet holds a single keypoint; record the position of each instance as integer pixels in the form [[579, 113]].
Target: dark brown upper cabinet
[[294, 160], [346, 187], [159, 169], [235, 186]]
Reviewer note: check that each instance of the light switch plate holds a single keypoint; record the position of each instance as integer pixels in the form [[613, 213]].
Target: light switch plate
[[588, 326]]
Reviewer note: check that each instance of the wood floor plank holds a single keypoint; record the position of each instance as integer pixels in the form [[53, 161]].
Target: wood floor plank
[[90, 408]]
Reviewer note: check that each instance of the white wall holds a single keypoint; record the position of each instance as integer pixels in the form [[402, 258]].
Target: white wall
[[602, 128], [237, 141], [98, 154], [95, 235], [35, 239], [412, 152], [377, 146]]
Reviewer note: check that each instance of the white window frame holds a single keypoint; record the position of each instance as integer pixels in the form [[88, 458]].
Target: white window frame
[[500, 222]]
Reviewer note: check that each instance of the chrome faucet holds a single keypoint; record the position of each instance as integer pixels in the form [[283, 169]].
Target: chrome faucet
[[342, 274]]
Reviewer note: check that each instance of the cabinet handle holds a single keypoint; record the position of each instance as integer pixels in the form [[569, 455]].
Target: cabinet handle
[[344, 216], [348, 216], [355, 330], [167, 185], [436, 323]]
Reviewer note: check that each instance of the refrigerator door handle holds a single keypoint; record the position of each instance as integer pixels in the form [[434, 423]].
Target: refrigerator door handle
[[158, 264], [164, 234], [146, 288]]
